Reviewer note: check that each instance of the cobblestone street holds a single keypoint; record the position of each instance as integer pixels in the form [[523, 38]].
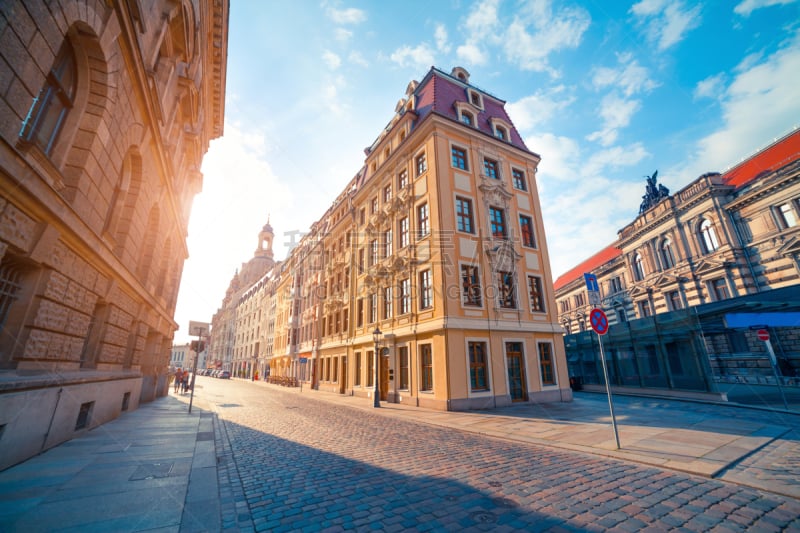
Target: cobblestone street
[[306, 464]]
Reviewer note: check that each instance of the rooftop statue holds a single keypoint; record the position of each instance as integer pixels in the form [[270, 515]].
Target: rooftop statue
[[653, 193]]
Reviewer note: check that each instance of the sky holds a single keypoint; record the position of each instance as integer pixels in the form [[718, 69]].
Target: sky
[[605, 92]]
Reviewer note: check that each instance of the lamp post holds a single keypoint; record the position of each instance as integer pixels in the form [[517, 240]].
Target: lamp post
[[376, 337]]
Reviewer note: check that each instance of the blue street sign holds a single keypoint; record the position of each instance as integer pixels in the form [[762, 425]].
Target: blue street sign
[[303, 360], [591, 283]]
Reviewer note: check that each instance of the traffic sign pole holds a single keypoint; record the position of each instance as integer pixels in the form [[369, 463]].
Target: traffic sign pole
[[608, 391], [774, 364]]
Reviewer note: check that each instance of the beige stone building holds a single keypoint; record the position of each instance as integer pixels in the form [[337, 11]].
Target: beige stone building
[[438, 243], [106, 111], [723, 237]]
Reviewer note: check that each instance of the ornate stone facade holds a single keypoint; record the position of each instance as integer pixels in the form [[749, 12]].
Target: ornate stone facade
[[721, 237], [437, 242], [107, 109]]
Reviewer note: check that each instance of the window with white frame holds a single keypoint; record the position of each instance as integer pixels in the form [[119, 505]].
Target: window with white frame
[[505, 290], [470, 286], [786, 215], [422, 164], [708, 237], [405, 296], [425, 290], [518, 178], [423, 220], [403, 223]]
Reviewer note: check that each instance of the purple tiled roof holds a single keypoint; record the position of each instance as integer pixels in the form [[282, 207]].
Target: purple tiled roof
[[438, 93]]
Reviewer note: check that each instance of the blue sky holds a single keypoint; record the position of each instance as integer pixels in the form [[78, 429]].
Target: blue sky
[[606, 93]]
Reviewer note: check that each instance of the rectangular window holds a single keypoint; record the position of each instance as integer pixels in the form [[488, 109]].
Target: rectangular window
[[373, 308], [373, 252], [580, 300], [402, 180], [518, 177], [387, 243], [357, 376], [718, 289], [423, 220], [459, 157], [505, 288], [526, 231], [537, 297], [405, 296], [464, 215], [362, 216], [490, 168], [786, 217], [674, 300], [373, 206], [387, 302], [403, 232], [370, 368], [345, 322], [425, 290], [422, 164], [361, 260], [644, 309], [478, 379], [471, 286], [335, 370], [615, 285], [498, 219], [360, 312], [426, 367], [546, 363], [387, 194], [402, 355]]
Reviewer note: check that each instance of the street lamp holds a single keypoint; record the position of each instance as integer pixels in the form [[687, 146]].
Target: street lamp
[[376, 337]]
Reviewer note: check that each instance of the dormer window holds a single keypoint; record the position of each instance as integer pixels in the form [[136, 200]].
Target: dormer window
[[467, 118], [475, 98], [501, 128]]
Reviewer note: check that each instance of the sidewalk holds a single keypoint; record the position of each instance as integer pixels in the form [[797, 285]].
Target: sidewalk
[[161, 469]]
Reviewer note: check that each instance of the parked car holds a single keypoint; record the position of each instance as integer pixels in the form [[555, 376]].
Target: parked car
[[225, 374]]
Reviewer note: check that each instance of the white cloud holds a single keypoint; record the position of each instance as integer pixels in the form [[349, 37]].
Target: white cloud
[[440, 34], [420, 56], [342, 35], [539, 107], [666, 22], [358, 59], [240, 190], [551, 31], [470, 53], [711, 87], [760, 103], [482, 20], [748, 6], [332, 60], [615, 158], [560, 156], [350, 15], [630, 77], [616, 113]]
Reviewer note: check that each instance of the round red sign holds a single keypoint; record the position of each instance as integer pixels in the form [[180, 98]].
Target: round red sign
[[763, 335]]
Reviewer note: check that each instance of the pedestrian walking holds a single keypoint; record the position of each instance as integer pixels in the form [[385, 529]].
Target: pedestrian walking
[[185, 384], [178, 380]]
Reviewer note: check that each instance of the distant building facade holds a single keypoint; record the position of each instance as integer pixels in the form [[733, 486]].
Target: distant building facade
[[180, 356], [438, 244], [721, 238], [107, 110]]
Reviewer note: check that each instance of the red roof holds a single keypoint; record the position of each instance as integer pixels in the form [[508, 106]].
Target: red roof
[[599, 259], [769, 159]]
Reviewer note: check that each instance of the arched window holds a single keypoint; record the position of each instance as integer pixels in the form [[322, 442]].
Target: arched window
[[638, 267], [55, 99], [708, 238], [667, 257], [467, 118]]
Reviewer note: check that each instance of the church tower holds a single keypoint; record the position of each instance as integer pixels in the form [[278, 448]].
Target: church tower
[[265, 238]]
